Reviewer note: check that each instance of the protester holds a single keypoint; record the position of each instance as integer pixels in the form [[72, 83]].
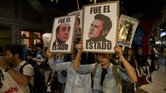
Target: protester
[[13, 63], [75, 83], [40, 67], [142, 64], [104, 81], [131, 58], [57, 79]]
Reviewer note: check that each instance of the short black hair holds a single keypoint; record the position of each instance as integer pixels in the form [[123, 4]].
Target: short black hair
[[39, 45], [15, 49], [57, 29], [107, 21]]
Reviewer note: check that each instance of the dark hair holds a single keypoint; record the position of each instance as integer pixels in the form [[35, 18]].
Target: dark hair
[[57, 29], [107, 21], [15, 49], [39, 45]]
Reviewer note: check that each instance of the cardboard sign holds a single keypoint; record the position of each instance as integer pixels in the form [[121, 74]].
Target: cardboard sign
[[127, 28], [100, 26], [62, 34]]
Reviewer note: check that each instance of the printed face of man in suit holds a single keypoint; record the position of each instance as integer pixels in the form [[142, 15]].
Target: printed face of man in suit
[[95, 29], [63, 33]]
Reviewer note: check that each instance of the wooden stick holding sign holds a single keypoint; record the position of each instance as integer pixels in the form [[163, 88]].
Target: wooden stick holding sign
[[78, 6]]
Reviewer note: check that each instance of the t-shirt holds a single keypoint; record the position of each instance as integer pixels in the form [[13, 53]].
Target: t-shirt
[[9, 84], [29, 71]]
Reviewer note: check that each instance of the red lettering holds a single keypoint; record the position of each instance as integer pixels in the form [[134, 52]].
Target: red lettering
[[12, 89]]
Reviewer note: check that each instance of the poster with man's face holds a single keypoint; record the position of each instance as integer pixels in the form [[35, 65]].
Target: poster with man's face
[[100, 27], [78, 23], [127, 28], [62, 34]]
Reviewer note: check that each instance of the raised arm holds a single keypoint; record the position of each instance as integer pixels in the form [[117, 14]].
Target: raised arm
[[50, 57], [130, 70], [55, 61], [76, 61]]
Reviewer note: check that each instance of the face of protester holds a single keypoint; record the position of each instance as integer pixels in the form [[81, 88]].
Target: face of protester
[[95, 29], [64, 32], [12, 59], [140, 51], [104, 59], [130, 51]]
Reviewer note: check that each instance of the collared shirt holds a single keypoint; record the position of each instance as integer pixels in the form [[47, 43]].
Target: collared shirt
[[75, 83], [109, 83]]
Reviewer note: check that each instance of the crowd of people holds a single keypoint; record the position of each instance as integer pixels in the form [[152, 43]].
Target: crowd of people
[[75, 72], [25, 70]]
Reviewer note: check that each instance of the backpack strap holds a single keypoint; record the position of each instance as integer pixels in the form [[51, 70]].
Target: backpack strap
[[21, 69], [117, 78], [94, 72], [95, 68], [1, 78]]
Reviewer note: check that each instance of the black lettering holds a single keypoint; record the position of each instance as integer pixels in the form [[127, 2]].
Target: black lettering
[[99, 9], [95, 45], [95, 10], [89, 45], [106, 9], [104, 46], [61, 20], [68, 19], [109, 45], [99, 45], [91, 10], [60, 47]]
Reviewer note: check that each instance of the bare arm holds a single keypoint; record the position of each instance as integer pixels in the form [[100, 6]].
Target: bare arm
[[130, 70], [42, 60], [77, 58]]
